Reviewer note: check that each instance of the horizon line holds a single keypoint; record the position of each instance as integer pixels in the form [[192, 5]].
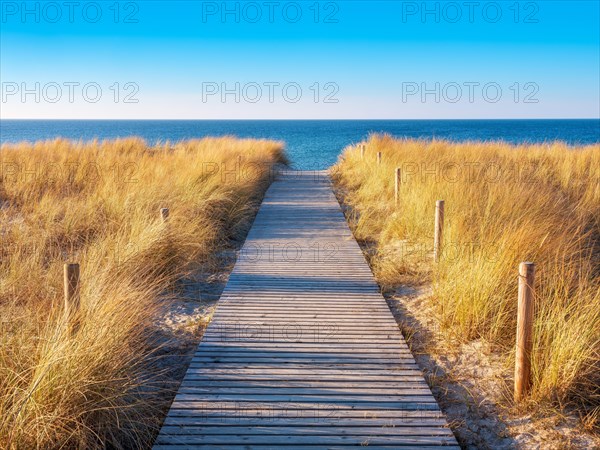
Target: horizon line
[[300, 119]]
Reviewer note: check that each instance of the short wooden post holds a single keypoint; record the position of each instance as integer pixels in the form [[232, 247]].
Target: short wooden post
[[164, 214], [524, 330], [362, 151], [397, 181], [71, 288], [379, 158], [439, 230]]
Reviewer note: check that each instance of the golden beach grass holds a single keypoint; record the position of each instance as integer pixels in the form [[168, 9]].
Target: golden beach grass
[[504, 204], [98, 204]]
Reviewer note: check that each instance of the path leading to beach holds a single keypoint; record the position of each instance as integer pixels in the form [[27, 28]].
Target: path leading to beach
[[303, 350]]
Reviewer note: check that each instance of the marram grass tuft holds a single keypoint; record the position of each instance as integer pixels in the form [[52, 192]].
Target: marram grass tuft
[[503, 204], [98, 204]]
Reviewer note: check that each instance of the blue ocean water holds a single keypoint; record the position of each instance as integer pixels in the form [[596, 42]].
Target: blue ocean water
[[311, 144]]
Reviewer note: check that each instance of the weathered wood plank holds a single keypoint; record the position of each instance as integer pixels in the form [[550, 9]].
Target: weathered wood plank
[[294, 374], [297, 447], [318, 415], [308, 430], [354, 392], [297, 388], [287, 439], [279, 422], [224, 347]]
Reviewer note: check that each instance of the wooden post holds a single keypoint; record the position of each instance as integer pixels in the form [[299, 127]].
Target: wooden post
[[439, 230], [164, 214], [71, 287], [397, 182], [524, 330], [379, 158], [362, 151]]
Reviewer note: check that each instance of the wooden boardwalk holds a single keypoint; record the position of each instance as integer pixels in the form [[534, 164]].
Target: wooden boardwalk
[[303, 351]]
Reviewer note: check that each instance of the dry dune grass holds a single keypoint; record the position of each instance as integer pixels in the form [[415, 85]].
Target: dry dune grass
[[504, 204], [98, 204]]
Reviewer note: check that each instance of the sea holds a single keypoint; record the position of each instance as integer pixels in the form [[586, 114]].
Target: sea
[[310, 144]]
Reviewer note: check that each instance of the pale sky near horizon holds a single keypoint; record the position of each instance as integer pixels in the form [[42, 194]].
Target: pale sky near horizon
[[299, 60]]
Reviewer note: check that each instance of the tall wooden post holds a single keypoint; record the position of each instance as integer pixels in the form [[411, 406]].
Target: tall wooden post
[[71, 288], [164, 214], [379, 158], [524, 330], [439, 230], [397, 181], [362, 151]]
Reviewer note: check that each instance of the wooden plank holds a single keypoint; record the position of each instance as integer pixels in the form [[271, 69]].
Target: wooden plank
[[302, 351], [255, 419], [321, 366], [314, 413], [307, 430], [293, 373], [366, 402], [296, 447], [225, 386], [387, 348], [292, 376], [287, 439], [190, 388]]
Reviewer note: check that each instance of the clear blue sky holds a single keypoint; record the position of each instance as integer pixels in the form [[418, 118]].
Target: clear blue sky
[[375, 58]]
